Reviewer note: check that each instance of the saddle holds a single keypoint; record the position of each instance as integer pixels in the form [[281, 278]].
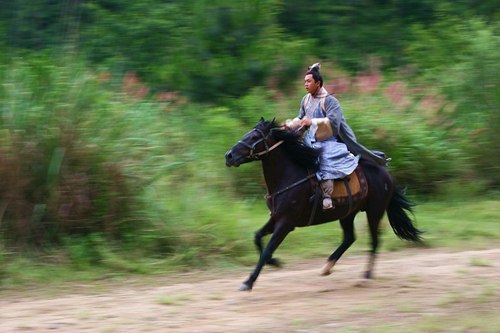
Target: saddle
[[346, 191], [350, 188]]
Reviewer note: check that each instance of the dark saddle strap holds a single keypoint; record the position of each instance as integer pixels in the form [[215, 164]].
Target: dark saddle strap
[[349, 192]]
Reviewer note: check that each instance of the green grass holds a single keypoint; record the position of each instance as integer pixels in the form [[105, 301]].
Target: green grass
[[461, 224], [215, 237]]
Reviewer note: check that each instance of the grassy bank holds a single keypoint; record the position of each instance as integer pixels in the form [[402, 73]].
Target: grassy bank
[[453, 224]]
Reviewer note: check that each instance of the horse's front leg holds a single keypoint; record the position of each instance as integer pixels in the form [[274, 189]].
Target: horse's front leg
[[279, 234], [266, 230]]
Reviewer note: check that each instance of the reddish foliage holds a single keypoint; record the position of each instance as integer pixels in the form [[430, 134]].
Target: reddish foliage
[[133, 87]]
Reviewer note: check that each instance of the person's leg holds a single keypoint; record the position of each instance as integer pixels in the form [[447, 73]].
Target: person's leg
[[327, 189]]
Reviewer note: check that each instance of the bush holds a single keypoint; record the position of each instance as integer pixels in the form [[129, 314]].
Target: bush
[[52, 182], [70, 163], [469, 81]]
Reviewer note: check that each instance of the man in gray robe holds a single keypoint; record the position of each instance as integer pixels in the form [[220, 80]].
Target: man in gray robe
[[328, 131]]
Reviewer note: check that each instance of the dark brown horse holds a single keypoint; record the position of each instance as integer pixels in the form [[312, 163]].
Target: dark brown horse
[[288, 167]]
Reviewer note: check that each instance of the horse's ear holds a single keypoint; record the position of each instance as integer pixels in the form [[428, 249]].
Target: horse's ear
[[261, 120]]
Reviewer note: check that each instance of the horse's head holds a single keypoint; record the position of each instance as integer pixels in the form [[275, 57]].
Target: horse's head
[[253, 146]]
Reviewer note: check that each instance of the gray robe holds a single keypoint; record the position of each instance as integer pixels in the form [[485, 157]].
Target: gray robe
[[338, 123]]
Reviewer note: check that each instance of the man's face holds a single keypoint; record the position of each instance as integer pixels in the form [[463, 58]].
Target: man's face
[[311, 85]]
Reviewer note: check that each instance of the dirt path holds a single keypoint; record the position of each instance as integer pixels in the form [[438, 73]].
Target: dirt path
[[417, 287]]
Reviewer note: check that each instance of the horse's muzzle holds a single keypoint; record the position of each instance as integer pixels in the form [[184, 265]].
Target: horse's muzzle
[[230, 160]]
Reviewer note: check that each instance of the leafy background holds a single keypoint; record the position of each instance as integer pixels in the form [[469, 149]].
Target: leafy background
[[115, 116]]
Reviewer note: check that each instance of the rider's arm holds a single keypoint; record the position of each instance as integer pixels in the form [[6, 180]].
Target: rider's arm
[[296, 122]]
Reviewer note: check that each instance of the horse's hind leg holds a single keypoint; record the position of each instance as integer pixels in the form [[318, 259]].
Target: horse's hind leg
[[347, 224], [266, 230]]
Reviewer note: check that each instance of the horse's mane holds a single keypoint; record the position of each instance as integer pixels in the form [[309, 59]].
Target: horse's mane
[[294, 146]]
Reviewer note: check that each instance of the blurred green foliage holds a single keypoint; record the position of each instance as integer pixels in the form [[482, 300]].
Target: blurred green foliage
[[468, 81], [115, 116]]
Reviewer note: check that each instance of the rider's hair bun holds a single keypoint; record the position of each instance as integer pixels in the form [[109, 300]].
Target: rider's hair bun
[[314, 67]]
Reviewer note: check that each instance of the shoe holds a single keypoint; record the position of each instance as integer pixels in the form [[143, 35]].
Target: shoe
[[327, 203]]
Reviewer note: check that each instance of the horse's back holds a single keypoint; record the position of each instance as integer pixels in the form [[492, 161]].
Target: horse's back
[[380, 183]]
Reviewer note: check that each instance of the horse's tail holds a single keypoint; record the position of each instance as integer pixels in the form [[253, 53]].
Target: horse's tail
[[399, 220]]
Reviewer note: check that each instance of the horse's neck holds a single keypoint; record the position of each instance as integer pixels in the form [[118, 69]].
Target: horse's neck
[[279, 170]]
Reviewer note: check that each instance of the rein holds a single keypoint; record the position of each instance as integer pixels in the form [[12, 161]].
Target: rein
[[289, 187], [272, 196], [268, 150]]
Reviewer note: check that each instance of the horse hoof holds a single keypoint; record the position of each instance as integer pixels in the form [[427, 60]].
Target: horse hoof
[[245, 287], [327, 268], [274, 262]]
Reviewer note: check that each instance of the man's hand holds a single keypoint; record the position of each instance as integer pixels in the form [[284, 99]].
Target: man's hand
[[305, 122]]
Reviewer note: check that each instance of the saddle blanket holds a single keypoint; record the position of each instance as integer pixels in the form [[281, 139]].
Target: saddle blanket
[[357, 184]]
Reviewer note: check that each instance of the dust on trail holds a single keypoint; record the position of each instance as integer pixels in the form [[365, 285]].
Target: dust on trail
[[408, 286]]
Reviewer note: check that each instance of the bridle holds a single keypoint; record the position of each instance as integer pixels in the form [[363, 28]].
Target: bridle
[[256, 156]]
